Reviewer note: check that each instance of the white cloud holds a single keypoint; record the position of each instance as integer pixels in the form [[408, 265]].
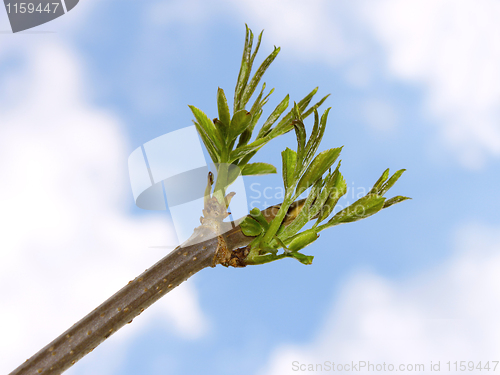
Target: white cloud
[[451, 48], [448, 48], [449, 313], [311, 31], [67, 241], [379, 114]]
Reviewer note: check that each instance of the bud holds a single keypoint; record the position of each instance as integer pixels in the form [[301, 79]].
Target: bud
[[250, 227], [302, 240]]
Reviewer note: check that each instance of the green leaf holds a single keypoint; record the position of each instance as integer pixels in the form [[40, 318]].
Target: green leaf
[[221, 128], [223, 108], [289, 159], [395, 200], [328, 188], [257, 105], [246, 66], [239, 123], [296, 112], [304, 215], [211, 148], [256, 112], [247, 133], [315, 107], [376, 187], [390, 183], [257, 215], [301, 240], [244, 150], [300, 132], [315, 131], [244, 138], [283, 125], [319, 165], [338, 190], [250, 227], [250, 88], [362, 208], [259, 39], [244, 160], [258, 169], [304, 259], [307, 99], [280, 108], [208, 127], [316, 136]]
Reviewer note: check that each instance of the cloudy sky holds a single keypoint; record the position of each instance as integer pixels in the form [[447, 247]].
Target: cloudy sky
[[414, 84]]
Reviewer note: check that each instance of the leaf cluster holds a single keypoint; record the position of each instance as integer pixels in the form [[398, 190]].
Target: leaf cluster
[[230, 138], [304, 169]]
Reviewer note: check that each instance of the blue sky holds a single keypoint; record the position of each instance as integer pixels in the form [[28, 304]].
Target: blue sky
[[413, 85]]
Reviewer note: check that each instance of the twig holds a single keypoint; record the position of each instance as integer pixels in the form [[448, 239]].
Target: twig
[[134, 298]]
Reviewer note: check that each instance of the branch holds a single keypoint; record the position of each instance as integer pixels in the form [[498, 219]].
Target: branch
[[302, 170], [138, 295]]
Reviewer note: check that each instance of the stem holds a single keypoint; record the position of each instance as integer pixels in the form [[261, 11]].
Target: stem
[[221, 183], [321, 227], [120, 309], [135, 297], [276, 223], [263, 259]]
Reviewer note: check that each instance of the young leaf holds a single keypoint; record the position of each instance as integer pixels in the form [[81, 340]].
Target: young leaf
[[316, 136], [239, 123], [246, 66], [247, 133], [259, 39], [390, 182], [301, 240], [362, 208], [394, 200], [250, 88], [304, 259], [289, 158], [256, 112], [251, 227], [300, 132], [257, 215], [315, 132], [282, 126], [208, 126], [280, 108], [221, 128], [244, 160], [244, 138], [305, 213], [315, 107], [258, 169], [223, 108], [307, 99], [319, 165], [259, 101], [376, 187], [240, 152], [211, 148], [339, 188], [328, 188]]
